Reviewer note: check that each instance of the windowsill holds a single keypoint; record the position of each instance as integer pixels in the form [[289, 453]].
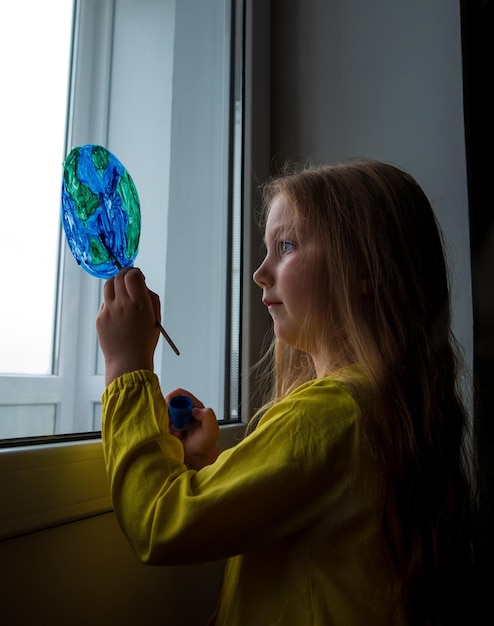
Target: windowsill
[[48, 485]]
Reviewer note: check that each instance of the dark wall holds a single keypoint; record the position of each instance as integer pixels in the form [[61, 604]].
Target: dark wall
[[478, 49]]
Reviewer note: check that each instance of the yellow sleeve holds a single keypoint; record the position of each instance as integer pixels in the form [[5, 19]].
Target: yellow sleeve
[[291, 470]]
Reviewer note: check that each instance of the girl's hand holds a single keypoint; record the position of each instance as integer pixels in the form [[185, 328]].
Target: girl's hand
[[199, 442], [126, 324]]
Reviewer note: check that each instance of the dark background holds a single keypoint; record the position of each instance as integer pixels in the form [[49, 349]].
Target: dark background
[[478, 47]]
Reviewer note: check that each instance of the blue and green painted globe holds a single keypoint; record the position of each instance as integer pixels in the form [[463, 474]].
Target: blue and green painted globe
[[100, 211]]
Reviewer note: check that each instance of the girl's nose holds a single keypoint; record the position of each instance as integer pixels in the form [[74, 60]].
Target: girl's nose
[[262, 277]]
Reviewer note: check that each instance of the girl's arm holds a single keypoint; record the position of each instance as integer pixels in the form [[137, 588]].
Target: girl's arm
[[127, 331], [296, 466]]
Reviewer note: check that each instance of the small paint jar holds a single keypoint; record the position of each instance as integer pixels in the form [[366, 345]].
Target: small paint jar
[[180, 412]]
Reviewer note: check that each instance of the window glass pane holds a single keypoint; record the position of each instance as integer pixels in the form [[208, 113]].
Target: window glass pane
[[34, 65]]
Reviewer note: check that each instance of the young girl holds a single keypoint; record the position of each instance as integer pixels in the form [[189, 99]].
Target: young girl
[[347, 502]]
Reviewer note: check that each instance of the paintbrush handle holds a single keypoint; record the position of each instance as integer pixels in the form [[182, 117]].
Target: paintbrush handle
[[167, 337]]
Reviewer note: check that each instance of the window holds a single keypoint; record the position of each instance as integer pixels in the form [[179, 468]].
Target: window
[[172, 113]]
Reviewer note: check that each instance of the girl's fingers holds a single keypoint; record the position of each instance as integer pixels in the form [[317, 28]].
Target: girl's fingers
[[109, 289], [133, 283], [207, 419], [115, 286], [155, 300]]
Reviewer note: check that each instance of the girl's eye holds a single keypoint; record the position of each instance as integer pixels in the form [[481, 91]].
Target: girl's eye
[[286, 246]]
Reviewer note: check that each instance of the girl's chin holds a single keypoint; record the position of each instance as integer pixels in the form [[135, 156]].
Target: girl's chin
[[284, 338]]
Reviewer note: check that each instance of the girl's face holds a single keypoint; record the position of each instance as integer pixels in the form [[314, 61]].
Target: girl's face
[[288, 276]]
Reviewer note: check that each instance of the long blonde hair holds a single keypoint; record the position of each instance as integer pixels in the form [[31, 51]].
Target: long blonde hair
[[387, 308]]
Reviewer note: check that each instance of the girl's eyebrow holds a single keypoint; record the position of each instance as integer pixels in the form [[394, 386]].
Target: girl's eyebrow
[[278, 232]]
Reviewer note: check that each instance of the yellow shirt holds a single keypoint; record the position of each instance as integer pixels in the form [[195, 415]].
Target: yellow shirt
[[293, 505]]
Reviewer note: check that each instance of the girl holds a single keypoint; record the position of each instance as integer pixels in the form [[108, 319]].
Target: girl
[[347, 503]]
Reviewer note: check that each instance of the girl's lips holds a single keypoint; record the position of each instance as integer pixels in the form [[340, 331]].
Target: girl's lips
[[269, 303]]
